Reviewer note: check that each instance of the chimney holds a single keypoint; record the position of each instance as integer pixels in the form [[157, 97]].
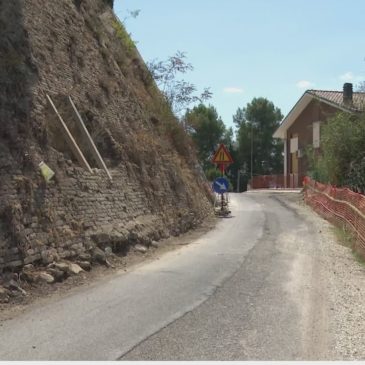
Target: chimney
[[347, 93]]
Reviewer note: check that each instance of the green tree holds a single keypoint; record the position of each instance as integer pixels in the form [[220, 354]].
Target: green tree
[[256, 124], [228, 138], [342, 160], [207, 131]]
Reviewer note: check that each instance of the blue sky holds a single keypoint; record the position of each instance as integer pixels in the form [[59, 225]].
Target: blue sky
[[243, 49]]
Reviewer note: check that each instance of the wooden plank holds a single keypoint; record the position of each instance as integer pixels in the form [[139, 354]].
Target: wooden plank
[[70, 140], [99, 160]]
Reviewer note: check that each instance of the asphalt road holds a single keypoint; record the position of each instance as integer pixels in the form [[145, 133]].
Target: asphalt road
[[234, 294]]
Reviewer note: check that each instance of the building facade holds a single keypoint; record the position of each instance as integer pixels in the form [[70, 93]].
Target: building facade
[[301, 128]]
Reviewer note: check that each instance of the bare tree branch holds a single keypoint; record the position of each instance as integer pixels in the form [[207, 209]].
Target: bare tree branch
[[178, 93]]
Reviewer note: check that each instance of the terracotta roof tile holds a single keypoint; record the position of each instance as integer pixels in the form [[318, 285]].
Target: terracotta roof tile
[[336, 97]]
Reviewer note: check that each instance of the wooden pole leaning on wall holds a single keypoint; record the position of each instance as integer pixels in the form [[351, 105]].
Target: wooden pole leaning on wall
[[99, 160], [70, 140]]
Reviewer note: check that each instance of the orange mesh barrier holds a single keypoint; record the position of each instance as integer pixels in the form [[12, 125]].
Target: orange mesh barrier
[[340, 206], [267, 181], [276, 181]]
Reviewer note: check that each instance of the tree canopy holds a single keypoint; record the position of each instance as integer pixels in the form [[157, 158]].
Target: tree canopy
[[256, 124], [207, 131]]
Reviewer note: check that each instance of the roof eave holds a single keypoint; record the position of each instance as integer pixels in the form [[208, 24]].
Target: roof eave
[[298, 108], [293, 115]]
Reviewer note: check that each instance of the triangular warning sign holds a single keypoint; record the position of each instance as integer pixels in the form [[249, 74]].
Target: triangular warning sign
[[222, 156]]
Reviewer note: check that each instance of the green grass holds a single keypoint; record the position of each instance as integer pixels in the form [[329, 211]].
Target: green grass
[[124, 37], [346, 238], [358, 257]]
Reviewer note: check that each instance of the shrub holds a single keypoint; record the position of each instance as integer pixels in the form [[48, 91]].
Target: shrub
[[356, 177], [343, 144], [212, 173], [124, 37]]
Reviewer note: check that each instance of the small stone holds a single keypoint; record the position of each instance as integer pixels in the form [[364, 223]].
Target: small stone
[[57, 274], [101, 238], [74, 269], [63, 266], [28, 267], [47, 257], [176, 232], [45, 277], [99, 255], [154, 244], [140, 248], [85, 265], [15, 286], [15, 294], [87, 225], [132, 236], [28, 275], [108, 251], [4, 295], [85, 256]]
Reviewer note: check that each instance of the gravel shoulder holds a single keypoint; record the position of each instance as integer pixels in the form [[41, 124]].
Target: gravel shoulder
[[340, 288]]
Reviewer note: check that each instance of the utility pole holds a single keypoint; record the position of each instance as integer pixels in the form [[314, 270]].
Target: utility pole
[[251, 152], [239, 172], [238, 180]]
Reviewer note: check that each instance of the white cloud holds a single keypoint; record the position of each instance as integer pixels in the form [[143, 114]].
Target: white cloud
[[350, 77], [233, 90], [304, 84]]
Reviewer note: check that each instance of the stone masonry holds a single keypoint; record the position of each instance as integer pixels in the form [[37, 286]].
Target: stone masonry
[[78, 48]]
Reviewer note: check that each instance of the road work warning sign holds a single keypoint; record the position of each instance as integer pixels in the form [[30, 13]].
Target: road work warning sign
[[222, 156]]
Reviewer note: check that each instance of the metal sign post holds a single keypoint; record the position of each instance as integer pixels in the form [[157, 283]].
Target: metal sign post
[[222, 158], [220, 186]]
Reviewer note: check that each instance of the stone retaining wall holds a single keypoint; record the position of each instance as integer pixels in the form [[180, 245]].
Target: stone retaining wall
[[59, 48]]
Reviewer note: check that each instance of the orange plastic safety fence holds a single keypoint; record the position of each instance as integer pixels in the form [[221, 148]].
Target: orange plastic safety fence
[[276, 181], [267, 181], [340, 206]]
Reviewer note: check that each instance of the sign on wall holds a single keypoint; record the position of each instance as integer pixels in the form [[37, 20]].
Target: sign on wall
[[293, 144], [316, 134]]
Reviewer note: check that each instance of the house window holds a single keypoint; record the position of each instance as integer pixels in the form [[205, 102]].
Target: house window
[[294, 144], [316, 134]]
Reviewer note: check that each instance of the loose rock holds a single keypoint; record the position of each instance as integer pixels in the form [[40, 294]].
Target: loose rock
[[57, 274], [28, 267], [154, 244], [74, 269], [108, 251], [140, 248], [45, 277], [4, 295], [99, 255], [85, 265], [63, 266], [14, 285], [28, 275], [85, 257]]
